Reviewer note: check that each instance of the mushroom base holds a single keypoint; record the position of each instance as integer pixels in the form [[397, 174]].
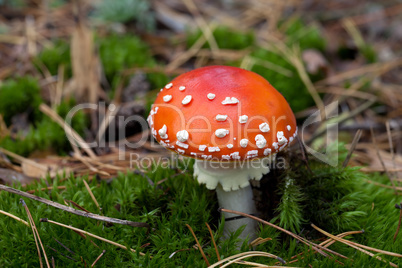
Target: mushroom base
[[231, 175]]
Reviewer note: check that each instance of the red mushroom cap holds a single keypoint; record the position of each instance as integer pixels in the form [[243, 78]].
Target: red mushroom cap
[[222, 113]]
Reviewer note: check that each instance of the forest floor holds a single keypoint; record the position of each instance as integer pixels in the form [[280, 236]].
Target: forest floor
[[74, 72]]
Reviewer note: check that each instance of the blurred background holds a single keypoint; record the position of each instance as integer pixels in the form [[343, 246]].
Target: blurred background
[[57, 54]]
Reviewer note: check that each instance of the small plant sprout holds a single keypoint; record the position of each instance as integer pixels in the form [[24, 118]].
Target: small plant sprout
[[233, 122]]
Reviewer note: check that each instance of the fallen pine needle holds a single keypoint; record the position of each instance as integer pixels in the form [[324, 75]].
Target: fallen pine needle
[[36, 234], [14, 217], [301, 239], [400, 220], [360, 247], [91, 194], [240, 256], [328, 242], [259, 241], [356, 244], [47, 188], [89, 234], [213, 241], [198, 244]]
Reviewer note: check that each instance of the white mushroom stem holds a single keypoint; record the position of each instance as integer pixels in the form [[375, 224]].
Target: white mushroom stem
[[231, 181], [239, 200]]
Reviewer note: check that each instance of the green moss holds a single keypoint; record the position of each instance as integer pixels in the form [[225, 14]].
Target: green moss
[[226, 38], [369, 53], [327, 196], [292, 88], [56, 55], [20, 95], [45, 134], [125, 11], [179, 200], [121, 52], [306, 36], [166, 207]]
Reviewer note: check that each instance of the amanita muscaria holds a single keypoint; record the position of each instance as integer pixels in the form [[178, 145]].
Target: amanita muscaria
[[228, 119]]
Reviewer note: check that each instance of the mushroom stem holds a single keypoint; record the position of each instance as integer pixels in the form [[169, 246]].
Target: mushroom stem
[[239, 200], [231, 181]]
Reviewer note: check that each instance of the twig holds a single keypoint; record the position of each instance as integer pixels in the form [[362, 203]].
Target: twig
[[97, 259], [352, 147], [213, 241], [36, 234], [198, 244], [400, 220], [89, 234], [71, 210]]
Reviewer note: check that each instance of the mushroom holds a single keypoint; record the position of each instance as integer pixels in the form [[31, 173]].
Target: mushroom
[[233, 122]]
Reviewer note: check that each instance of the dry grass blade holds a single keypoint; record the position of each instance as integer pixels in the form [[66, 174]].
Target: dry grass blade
[[71, 210], [391, 146], [382, 67], [14, 217], [384, 185], [84, 61], [361, 247], [92, 195], [382, 161], [316, 247], [92, 235], [240, 256], [213, 241], [36, 235], [198, 244], [202, 24], [107, 120], [352, 147], [70, 132]]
